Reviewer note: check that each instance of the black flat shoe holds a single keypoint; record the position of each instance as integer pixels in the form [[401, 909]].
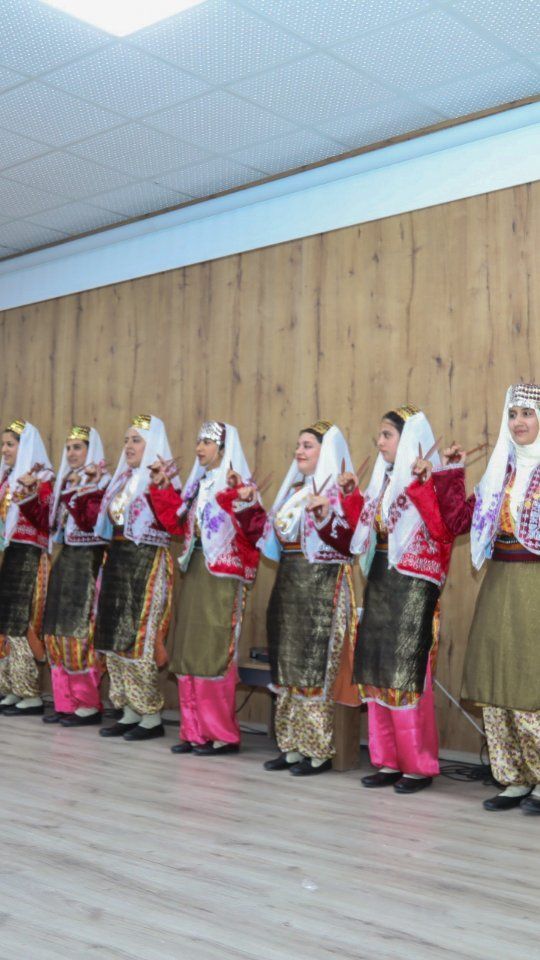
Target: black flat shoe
[[73, 720], [381, 779], [117, 729], [304, 768], [499, 802], [279, 763], [184, 747], [412, 785], [55, 717], [15, 711], [530, 805], [209, 750], [145, 733]]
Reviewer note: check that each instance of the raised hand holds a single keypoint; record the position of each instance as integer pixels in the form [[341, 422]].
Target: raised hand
[[233, 478], [422, 468], [347, 482], [318, 505], [455, 453], [246, 493], [159, 476]]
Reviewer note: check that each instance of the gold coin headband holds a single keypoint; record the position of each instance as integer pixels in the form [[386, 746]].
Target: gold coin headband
[[142, 421], [17, 427], [79, 432], [320, 427], [406, 411]]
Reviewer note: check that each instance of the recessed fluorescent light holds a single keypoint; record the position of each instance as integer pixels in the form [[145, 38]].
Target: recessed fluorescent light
[[121, 17]]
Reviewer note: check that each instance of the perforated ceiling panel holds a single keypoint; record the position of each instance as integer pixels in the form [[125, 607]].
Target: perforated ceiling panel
[[94, 129]]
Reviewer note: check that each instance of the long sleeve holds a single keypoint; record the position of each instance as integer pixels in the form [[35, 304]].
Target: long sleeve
[[166, 503], [455, 507], [245, 544], [249, 521], [337, 532], [425, 500], [35, 509], [84, 507], [352, 504]]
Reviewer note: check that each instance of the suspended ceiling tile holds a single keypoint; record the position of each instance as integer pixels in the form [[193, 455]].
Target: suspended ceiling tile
[[329, 21], [514, 22], [34, 37], [127, 80], [314, 88], [137, 150], [381, 122], [286, 153], [508, 82], [138, 199], [51, 116], [14, 148], [74, 218], [421, 51], [220, 42], [19, 200], [9, 79], [66, 176], [219, 122], [21, 235], [215, 176]]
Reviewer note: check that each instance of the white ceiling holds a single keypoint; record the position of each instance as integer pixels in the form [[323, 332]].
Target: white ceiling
[[95, 130]]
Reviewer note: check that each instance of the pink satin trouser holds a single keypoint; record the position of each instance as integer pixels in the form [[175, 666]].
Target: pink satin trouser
[[74, 690], [405, 739], [208, 708]]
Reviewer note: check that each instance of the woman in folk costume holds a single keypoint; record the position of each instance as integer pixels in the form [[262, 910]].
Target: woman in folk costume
[[26, 484], [68, 623], [134, 603], [218, 564], [502, 666], [311, 612], [404, 550]]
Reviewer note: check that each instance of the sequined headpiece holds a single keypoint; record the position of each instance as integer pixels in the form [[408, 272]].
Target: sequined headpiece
[[213, 430], [320, 427], [407, 411], [79, 432], [525, 395], [16, 427], [142, 421]]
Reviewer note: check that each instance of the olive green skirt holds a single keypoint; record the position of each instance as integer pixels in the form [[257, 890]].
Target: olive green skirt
[[502, 664], [208, 618]]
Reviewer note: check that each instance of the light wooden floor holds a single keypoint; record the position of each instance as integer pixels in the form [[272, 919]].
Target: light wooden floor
[[124, 852]]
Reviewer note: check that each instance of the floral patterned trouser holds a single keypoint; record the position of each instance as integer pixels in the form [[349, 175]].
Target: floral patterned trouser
[[305, 726], [513, 738], [135, 683], [19, 672]]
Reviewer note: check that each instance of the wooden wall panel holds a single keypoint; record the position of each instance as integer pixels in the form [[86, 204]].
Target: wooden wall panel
[[436, 307]]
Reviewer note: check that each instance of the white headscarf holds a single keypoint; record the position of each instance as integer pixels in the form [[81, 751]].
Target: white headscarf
[[153, 432], [333, 457], [217, 529], [506, 456], [398, 512], [31, 451], [94, 454]]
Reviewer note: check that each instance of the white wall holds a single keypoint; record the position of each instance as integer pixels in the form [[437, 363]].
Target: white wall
[[484, 155]]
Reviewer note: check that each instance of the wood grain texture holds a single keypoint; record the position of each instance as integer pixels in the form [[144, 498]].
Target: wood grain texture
[[436, 307], [120, 851]]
